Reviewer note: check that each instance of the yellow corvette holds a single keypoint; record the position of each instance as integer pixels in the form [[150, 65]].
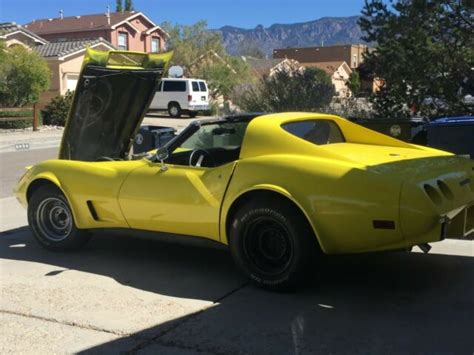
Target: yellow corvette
[[278, 189]]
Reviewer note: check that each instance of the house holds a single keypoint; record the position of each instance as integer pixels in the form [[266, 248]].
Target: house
[[339, 73], [261, 67], [16, 35], [127, 30], [352, 54], [65, 60]]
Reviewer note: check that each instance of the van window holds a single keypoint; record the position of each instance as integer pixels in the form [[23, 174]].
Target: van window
[[319, 132], [195, 86], [174, 86], [202, 84]]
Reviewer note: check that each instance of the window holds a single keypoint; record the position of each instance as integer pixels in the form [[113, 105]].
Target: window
[[123, 41], [195, 86], [218, 135], [174, 86], [155, 45], [319, 132], [202, 85]]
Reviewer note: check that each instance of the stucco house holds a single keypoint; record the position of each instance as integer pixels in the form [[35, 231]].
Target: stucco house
[[127, 30], [339, 73], [65, 59], [17, 35]]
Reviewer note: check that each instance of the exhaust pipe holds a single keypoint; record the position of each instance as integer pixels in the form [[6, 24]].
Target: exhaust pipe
[[425, 248]]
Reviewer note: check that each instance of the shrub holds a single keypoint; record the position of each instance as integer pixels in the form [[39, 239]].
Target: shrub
[[55, 113], [298, 90], [23, 76]]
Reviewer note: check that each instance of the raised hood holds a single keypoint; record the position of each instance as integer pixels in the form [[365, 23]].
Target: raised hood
[[112, 96]]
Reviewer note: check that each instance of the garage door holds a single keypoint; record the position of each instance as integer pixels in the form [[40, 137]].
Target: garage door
[[71, 81]]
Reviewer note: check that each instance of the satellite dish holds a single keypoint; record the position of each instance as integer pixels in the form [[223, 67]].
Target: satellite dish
[[175, 71]]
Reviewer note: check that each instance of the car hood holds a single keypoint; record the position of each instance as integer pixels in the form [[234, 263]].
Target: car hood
[[112, 96]]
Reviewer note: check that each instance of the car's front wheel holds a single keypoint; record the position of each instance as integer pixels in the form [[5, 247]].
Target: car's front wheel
[[272, 243], [51, 220]]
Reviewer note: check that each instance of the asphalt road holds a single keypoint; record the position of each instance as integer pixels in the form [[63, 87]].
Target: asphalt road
[[12, 166]]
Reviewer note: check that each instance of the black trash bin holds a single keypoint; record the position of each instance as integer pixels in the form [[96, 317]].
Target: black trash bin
[[152, 137], [408, 130], [453, 134]]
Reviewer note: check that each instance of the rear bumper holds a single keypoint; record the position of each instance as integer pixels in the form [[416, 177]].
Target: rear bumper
[[198, 107]]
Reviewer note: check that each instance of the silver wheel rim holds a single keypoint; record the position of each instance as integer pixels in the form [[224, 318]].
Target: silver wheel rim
[[54, 219], [174, 110]]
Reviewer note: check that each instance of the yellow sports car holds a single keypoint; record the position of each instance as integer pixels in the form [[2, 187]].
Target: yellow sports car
[[278, 189]]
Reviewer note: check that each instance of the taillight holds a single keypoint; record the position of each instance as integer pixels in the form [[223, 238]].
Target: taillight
[[190, 97]]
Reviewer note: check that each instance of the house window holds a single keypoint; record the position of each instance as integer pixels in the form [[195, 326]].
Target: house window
[[123, 41], [155, 44]]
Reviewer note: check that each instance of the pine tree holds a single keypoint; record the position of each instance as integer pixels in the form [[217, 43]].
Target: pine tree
[[118, 6], [129, 5]]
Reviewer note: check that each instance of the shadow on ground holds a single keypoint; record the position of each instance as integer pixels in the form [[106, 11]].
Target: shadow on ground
[[391, 303]]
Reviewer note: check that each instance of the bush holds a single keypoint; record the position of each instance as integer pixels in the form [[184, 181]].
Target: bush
[[55, 113], [23, 76], [298, 90]]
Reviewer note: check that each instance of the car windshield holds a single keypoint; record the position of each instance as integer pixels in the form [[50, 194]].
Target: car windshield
[[216, 135]]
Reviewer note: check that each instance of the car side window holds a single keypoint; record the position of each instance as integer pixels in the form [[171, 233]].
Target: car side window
[[318, 132], [174, 86]]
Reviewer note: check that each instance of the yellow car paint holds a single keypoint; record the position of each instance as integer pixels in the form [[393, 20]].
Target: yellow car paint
[[341, 188]]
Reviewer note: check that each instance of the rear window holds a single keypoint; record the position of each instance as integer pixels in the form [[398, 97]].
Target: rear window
[[202, 84], [174, 86], [195, 86], [318, 132]]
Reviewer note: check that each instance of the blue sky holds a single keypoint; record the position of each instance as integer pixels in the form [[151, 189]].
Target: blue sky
[[241, 13]]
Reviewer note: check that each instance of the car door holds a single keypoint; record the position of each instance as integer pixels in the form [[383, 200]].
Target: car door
[[181, 199]]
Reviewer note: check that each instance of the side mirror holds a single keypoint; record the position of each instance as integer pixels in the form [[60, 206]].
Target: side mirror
[[161, 155]]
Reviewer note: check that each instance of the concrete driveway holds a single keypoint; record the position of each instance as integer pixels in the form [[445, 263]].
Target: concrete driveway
[[152, 295]]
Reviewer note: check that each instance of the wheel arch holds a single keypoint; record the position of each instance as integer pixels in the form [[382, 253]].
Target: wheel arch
[[173, 102], [45, 180], [264, 190]]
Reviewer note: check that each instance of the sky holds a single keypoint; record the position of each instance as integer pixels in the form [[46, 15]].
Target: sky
[[217, 13]]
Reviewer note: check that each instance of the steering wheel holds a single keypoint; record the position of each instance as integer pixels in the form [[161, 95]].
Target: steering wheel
[[201, 154]]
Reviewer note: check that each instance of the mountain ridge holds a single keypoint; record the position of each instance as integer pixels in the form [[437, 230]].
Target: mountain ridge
[[323, 31]]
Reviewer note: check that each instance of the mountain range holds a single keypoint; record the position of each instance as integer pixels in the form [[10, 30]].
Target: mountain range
[[325, 31]]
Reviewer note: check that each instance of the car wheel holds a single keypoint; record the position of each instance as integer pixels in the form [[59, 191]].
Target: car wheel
[[51, 221], [272, 243], [174, 110]]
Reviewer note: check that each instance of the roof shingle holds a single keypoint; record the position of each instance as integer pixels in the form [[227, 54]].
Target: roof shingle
[[9, 27], [59, 49]]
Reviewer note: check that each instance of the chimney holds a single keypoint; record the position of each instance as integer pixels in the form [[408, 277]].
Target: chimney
[[107, 14], [61, 14]]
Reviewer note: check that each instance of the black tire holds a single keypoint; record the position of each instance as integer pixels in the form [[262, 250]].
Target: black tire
[[174, 110], [192, 114], [272, 243], [51, 221]]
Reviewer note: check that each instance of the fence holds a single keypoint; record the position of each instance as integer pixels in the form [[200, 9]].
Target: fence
[[33, 115]]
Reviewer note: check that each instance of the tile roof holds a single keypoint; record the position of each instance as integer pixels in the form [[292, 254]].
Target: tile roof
[[10, 27], [59, 49], [78, 23]]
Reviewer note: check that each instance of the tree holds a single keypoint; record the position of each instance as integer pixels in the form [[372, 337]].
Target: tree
[[424, 55], [118, 6], [202, 55], [23, 76], [353, 83], [298, 90], [129, 5]]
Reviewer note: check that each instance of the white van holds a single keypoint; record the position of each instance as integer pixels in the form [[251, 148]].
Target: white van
[[179, 96]]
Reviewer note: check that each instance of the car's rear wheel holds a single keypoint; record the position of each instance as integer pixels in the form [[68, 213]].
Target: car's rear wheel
[[174, 110], [51, 220], [272, 243]]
